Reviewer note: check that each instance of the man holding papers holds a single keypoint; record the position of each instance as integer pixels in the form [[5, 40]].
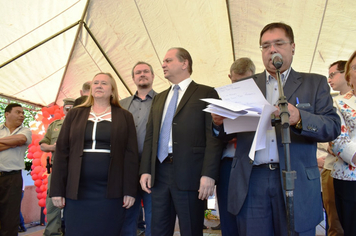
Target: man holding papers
[[255, 192]]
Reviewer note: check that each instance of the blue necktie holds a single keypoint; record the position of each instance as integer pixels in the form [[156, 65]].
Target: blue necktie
[[166, 127]]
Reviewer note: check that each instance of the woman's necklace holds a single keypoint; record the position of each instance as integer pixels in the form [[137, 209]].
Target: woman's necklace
[[99, 114]]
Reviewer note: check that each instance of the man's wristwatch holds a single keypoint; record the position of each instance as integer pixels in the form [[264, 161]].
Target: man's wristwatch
[[299, 124]]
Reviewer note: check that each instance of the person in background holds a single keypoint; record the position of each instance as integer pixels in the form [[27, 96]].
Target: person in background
[[180, 158], [344, 147], [241, 68], [48, 144], [14, 140], [84, 93], [337, 83], [95, 172], [139, 105], [256, 194]]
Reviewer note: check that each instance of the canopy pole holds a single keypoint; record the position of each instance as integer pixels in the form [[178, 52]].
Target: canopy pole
[[231, 34], [317, 40], [38, 44], [81, 22], [107, 58]]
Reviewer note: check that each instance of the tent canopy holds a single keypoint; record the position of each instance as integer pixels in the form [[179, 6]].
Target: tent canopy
[[50, 48]]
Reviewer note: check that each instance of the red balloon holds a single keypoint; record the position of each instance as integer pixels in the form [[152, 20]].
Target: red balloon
[[34, 177], [36, 162], [38, 149], [30, 155], [43, 188], [45, 115], [45, 181], [45, 211], [57, 116], [38, 190], [51, 110], [42, 202], [44, 194], [32, 149], [44, 109], [37, 141], [37, 155], [37, 169], [38, 183], [39, 196]]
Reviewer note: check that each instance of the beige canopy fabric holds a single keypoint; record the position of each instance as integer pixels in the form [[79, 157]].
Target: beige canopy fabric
[[48, 49]]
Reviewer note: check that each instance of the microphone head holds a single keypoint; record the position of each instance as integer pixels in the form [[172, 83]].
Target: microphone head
[[277, 60]]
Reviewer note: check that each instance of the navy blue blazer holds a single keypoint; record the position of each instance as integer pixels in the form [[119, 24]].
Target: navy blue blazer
[[320, 124]]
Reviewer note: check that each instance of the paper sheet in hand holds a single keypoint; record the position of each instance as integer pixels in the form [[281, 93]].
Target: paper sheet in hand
[[259, 141], [245, 92], [248, 98]]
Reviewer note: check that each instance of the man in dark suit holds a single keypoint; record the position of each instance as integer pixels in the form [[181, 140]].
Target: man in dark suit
[[184, 173], [256, 193]]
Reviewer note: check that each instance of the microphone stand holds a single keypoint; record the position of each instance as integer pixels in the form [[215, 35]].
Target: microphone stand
[[288, 174]]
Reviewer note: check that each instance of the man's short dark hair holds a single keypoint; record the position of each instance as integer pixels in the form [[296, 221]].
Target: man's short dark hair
[[279, 25], [183, 54], [340, 65], [10, 106], [242, 65], [141, 63]]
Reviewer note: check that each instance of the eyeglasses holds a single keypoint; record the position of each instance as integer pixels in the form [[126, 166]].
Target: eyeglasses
[[332, 74], [353, 67], [277, 44]]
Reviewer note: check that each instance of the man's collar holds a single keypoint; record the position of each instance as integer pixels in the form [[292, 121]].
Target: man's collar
[[183, 85], [149, 94], [3, 125], [284, 76]]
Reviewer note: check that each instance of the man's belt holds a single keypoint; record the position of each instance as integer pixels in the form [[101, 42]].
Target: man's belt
[[4, 173], [271, 166]]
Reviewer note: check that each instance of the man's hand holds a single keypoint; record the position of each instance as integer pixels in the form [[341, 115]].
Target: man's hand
[[145, 182], [59, 202], [128, 201], [321, 161], [48, 148], [294, 114], [218, 120], [206, 188]]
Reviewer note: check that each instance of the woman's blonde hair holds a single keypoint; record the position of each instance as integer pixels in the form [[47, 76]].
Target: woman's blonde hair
[[114, 99]]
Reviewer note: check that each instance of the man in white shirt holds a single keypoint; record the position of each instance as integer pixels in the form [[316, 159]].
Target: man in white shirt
[[14, 140]]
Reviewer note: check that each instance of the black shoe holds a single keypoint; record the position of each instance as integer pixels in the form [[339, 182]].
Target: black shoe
[[22, 229], [205, 227], [218, 227]]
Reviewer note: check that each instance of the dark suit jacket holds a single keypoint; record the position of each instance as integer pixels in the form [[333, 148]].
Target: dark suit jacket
[[196, 152], [320, 124], [123, 172]]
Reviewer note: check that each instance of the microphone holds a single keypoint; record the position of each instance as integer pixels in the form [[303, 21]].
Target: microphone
[[277, 60]]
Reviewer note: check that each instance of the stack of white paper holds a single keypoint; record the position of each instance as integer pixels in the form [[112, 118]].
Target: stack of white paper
[[245, 109]]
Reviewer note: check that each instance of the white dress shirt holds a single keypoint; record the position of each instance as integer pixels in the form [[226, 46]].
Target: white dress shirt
[[182, 88]]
